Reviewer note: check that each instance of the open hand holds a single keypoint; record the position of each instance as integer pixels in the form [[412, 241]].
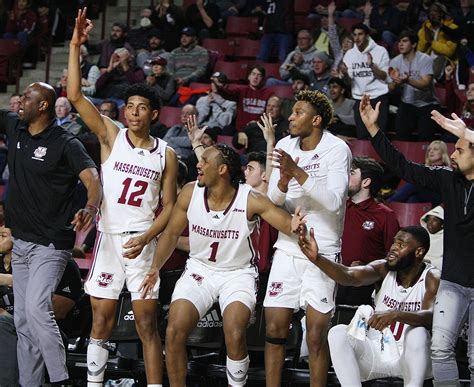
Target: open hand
[[369, 115], [194, 132], [382, 320], [83, 218], [82, 28], [297, 221], [148, 284], [308, 246], [267, 127], [455, 126]]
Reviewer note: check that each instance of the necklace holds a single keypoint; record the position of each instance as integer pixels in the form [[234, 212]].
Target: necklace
[[466, 199]]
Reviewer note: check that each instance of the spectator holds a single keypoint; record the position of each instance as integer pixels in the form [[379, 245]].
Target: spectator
[[438, 38], [120, 73], [14, 103], [64, 117], [213, 110], [108, 47], [251, 99], [465, 109], [411, 73], [384, 22], [177, 136], [169, 19], [137, 37], [21, 22], [342, 123], [321, 72], [205, 138], [203, 17], [300, 82], [277, 30], [433, 222], [89, 73], [367, 65], [252, 138], [230, 7], [369, 226], [417, 12], [436, 156], [463, 16], [160, 79], [338, 46], [154, 49], [188, 63], [321, 36], [110, 109]]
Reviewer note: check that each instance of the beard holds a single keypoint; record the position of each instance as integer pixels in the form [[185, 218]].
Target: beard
[[353, 190], [404, 263]]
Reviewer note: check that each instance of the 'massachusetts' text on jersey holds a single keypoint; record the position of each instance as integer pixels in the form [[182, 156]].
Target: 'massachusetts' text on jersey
[[221, 240], [131, 179]]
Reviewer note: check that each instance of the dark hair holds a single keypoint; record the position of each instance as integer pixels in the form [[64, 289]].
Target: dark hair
[[319, 102], [369, 168], [419, 234], [122, 26], [361, 26], [182, 173], [231, 158], [410, 34], [145, 91], [259, 67], [259, 156], [342, 84], [114, 107], [301, 77]]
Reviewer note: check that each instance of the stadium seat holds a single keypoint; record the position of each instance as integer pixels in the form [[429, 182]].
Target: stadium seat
[[227, 140], [10, 61], [302, 21], [347, 23], [235, 71], [283, 91], [272, 70], [412, 150], [440, 92], [199, 85], [303, 7], [170, 116], [409, 214], [363, 148], [246, 48], [226, 47], [187, 3], [241, 26]]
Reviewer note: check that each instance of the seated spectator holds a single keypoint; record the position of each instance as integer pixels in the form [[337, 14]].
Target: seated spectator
[[65, 118], [89, 73], [321, 72], [177, 136], [436, 156], [433, 221], [108, 47], [21, 22], [300, 82], [160, 79], [138, 37], [411, 74], [153, 49], [203, 17], [169, 19], [251, 99], [252, 138], [14, 103], [463, 16], [438, 38], [384, 22], [463, 108], [188, 63], [110, 109], [342, 122], [215, 111], [120, 73]]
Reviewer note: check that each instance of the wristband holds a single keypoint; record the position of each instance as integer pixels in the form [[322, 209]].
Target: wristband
[[92, 207], [197, 146]]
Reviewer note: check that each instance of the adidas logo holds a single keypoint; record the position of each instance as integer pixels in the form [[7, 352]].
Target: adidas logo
[[141, 153], [129, 316], [210, 320], [240, 372], [92, 364], [215, 216], [325, 300], [66, 290]]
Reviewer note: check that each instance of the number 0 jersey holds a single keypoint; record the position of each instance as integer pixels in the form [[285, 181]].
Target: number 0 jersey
[[131, 179], [393, 296], [221, 240]]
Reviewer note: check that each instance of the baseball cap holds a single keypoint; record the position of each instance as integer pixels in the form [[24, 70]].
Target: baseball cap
[[158, 60], [189, 31], [221, 77]]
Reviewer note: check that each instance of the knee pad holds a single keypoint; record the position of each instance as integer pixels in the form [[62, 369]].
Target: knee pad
[[97, 356], [237, 371], [276, 340]]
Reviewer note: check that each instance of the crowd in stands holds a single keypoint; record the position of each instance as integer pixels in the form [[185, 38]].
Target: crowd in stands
[[409, 57]]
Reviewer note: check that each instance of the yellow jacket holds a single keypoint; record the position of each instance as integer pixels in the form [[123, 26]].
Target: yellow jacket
[[443, 45]]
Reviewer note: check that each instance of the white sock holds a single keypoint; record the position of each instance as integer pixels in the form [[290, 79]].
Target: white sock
[[154, 385], [97, 355], [237, 371]]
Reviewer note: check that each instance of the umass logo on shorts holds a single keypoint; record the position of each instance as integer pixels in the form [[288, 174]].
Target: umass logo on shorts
[[198, 278], [105, 279], [275, 289]]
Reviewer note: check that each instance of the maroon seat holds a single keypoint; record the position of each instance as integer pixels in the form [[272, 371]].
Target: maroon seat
[[246, 48], [170, 116], [226, 47], [283, 91], [412, 150], [235, 71], [409, 214], [363, 148], [241, 26]]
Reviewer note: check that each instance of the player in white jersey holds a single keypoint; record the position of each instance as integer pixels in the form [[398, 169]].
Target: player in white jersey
[[311, 170], [403, 304], [221, 213], [138, 173]]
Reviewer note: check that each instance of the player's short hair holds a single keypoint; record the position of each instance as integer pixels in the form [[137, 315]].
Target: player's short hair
[[259, 156], [369, 168], [319, 102], [145, 91], [231, 158], [420, 235]]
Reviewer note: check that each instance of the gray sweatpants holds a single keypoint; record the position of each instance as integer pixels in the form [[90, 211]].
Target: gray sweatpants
[[37, 271]]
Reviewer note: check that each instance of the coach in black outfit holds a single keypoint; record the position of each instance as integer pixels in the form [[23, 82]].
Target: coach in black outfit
[[45, 162]]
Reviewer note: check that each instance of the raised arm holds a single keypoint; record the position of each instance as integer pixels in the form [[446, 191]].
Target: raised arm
[[104, 128], [455, 126], [268, 130]]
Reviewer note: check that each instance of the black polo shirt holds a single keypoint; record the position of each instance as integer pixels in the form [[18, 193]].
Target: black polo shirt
[[44, 171]]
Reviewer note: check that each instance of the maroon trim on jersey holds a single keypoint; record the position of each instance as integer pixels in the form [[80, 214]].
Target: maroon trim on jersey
[[156, 145], [128, 140], [253, 250], [98, 240], [206, 205]]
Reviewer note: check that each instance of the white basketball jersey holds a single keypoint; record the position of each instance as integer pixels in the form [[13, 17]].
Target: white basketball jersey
[[221, 240], [393, 296], [131, 179]]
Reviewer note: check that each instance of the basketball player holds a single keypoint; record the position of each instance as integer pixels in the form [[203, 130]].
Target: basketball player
[[136, 170], [221, 213], [404, 303], [310, 169]]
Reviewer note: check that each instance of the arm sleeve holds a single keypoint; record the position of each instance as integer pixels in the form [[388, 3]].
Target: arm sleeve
[[77, 157]]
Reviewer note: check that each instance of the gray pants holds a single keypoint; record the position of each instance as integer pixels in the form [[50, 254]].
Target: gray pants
[[8, 364], [37, 271], [453, 303]]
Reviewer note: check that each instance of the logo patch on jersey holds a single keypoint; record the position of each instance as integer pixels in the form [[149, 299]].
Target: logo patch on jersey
[[238, 210], [275, 289], [198, 278], [315, 157], [141, 153], [325, 300], [105, 279], [39, 153], [368, 225]]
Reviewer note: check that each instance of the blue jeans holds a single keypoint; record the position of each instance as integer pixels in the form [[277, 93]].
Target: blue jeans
[[453, 304], [281, 41]]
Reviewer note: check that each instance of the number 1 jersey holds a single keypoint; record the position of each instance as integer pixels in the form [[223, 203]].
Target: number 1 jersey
[[131, 179]]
